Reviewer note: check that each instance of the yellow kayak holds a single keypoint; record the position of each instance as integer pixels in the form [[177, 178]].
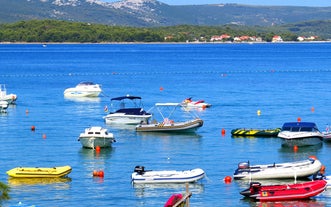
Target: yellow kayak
[[39, 172]]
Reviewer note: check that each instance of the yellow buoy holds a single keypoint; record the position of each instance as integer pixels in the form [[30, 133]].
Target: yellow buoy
[[258, 112]]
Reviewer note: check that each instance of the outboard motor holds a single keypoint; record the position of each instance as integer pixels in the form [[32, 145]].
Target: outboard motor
[[139, 169]]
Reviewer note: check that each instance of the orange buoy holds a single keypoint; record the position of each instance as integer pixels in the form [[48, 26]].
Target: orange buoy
[[228, 179], [44, 136], [223, 132], [295, 148], [33, 128], [161, 88], [312, 109], [299, 119], [95, 173], [97, 148]]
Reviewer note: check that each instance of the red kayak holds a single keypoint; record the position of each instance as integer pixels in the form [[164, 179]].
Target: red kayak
[[285, 192]]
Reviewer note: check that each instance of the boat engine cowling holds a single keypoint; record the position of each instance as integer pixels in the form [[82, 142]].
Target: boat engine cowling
[[139, 169]]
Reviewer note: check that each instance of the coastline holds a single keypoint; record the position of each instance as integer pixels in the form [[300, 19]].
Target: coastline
[[131, 43]]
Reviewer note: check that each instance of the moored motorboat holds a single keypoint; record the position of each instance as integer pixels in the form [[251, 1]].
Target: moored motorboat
[[96, 136], [140, 175], [9, 98], [39, 172], [169, 124], [189, 103], [285, 192], [83, 89], [132, 115], [243, 132], [300, 134], [296, 169]]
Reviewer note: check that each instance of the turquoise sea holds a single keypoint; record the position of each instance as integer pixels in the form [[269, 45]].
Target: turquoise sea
[[283, 81]]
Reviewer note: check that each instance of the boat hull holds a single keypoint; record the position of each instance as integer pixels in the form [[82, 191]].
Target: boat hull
[[92, 142], [285, 192], [121, 118], [307, 141], [74, 93], [171, 176], [39, 172], [299, 169]]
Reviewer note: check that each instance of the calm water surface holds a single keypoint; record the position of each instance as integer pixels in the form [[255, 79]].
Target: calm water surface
[[283, 81]]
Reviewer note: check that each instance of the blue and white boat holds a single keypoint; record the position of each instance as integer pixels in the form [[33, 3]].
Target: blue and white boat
[[134, 114], [83, 89], [300, 134], [142, 176]]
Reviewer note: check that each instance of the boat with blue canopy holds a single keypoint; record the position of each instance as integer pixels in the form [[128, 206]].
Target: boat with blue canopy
[[134, 114], [300, 134]]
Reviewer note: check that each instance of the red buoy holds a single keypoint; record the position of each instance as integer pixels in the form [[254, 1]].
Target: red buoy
[[228, 179], [97, 148], [299, 119], [33, 128], [223, 132], [295, 148], [101, 173]]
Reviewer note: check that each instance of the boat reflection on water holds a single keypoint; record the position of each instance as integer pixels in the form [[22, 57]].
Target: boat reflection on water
[[104, 153], [37, 181], [170, 134], [83, 99], [152, 190], [301, 203], [311, 150]]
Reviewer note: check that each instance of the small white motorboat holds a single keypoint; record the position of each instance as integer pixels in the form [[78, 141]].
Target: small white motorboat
[[289, 170], [83, 89], [9, 98], [187, 122], [300, 134], [195, 104], [96, 136], [132, 114], [140, 175]]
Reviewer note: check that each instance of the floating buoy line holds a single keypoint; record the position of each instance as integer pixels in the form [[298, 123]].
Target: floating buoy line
[[221, 73]]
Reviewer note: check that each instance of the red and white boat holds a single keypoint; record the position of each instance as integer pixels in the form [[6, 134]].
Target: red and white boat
[[285, 192], [195, 104]]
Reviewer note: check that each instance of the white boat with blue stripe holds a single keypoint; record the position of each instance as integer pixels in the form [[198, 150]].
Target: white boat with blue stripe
[[142, 176]]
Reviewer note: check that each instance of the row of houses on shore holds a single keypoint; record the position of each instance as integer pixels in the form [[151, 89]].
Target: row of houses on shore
[[245, 38]]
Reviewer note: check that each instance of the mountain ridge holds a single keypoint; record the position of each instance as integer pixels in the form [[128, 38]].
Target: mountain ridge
[[153, 13]]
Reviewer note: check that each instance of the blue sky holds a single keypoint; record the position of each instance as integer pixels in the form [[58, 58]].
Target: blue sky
[[250, 2]]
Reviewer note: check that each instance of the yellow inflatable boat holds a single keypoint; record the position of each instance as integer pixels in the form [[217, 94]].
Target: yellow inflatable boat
[[39, 172]]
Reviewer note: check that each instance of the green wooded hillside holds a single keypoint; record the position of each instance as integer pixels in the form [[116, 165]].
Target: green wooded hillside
[[63, 31]]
